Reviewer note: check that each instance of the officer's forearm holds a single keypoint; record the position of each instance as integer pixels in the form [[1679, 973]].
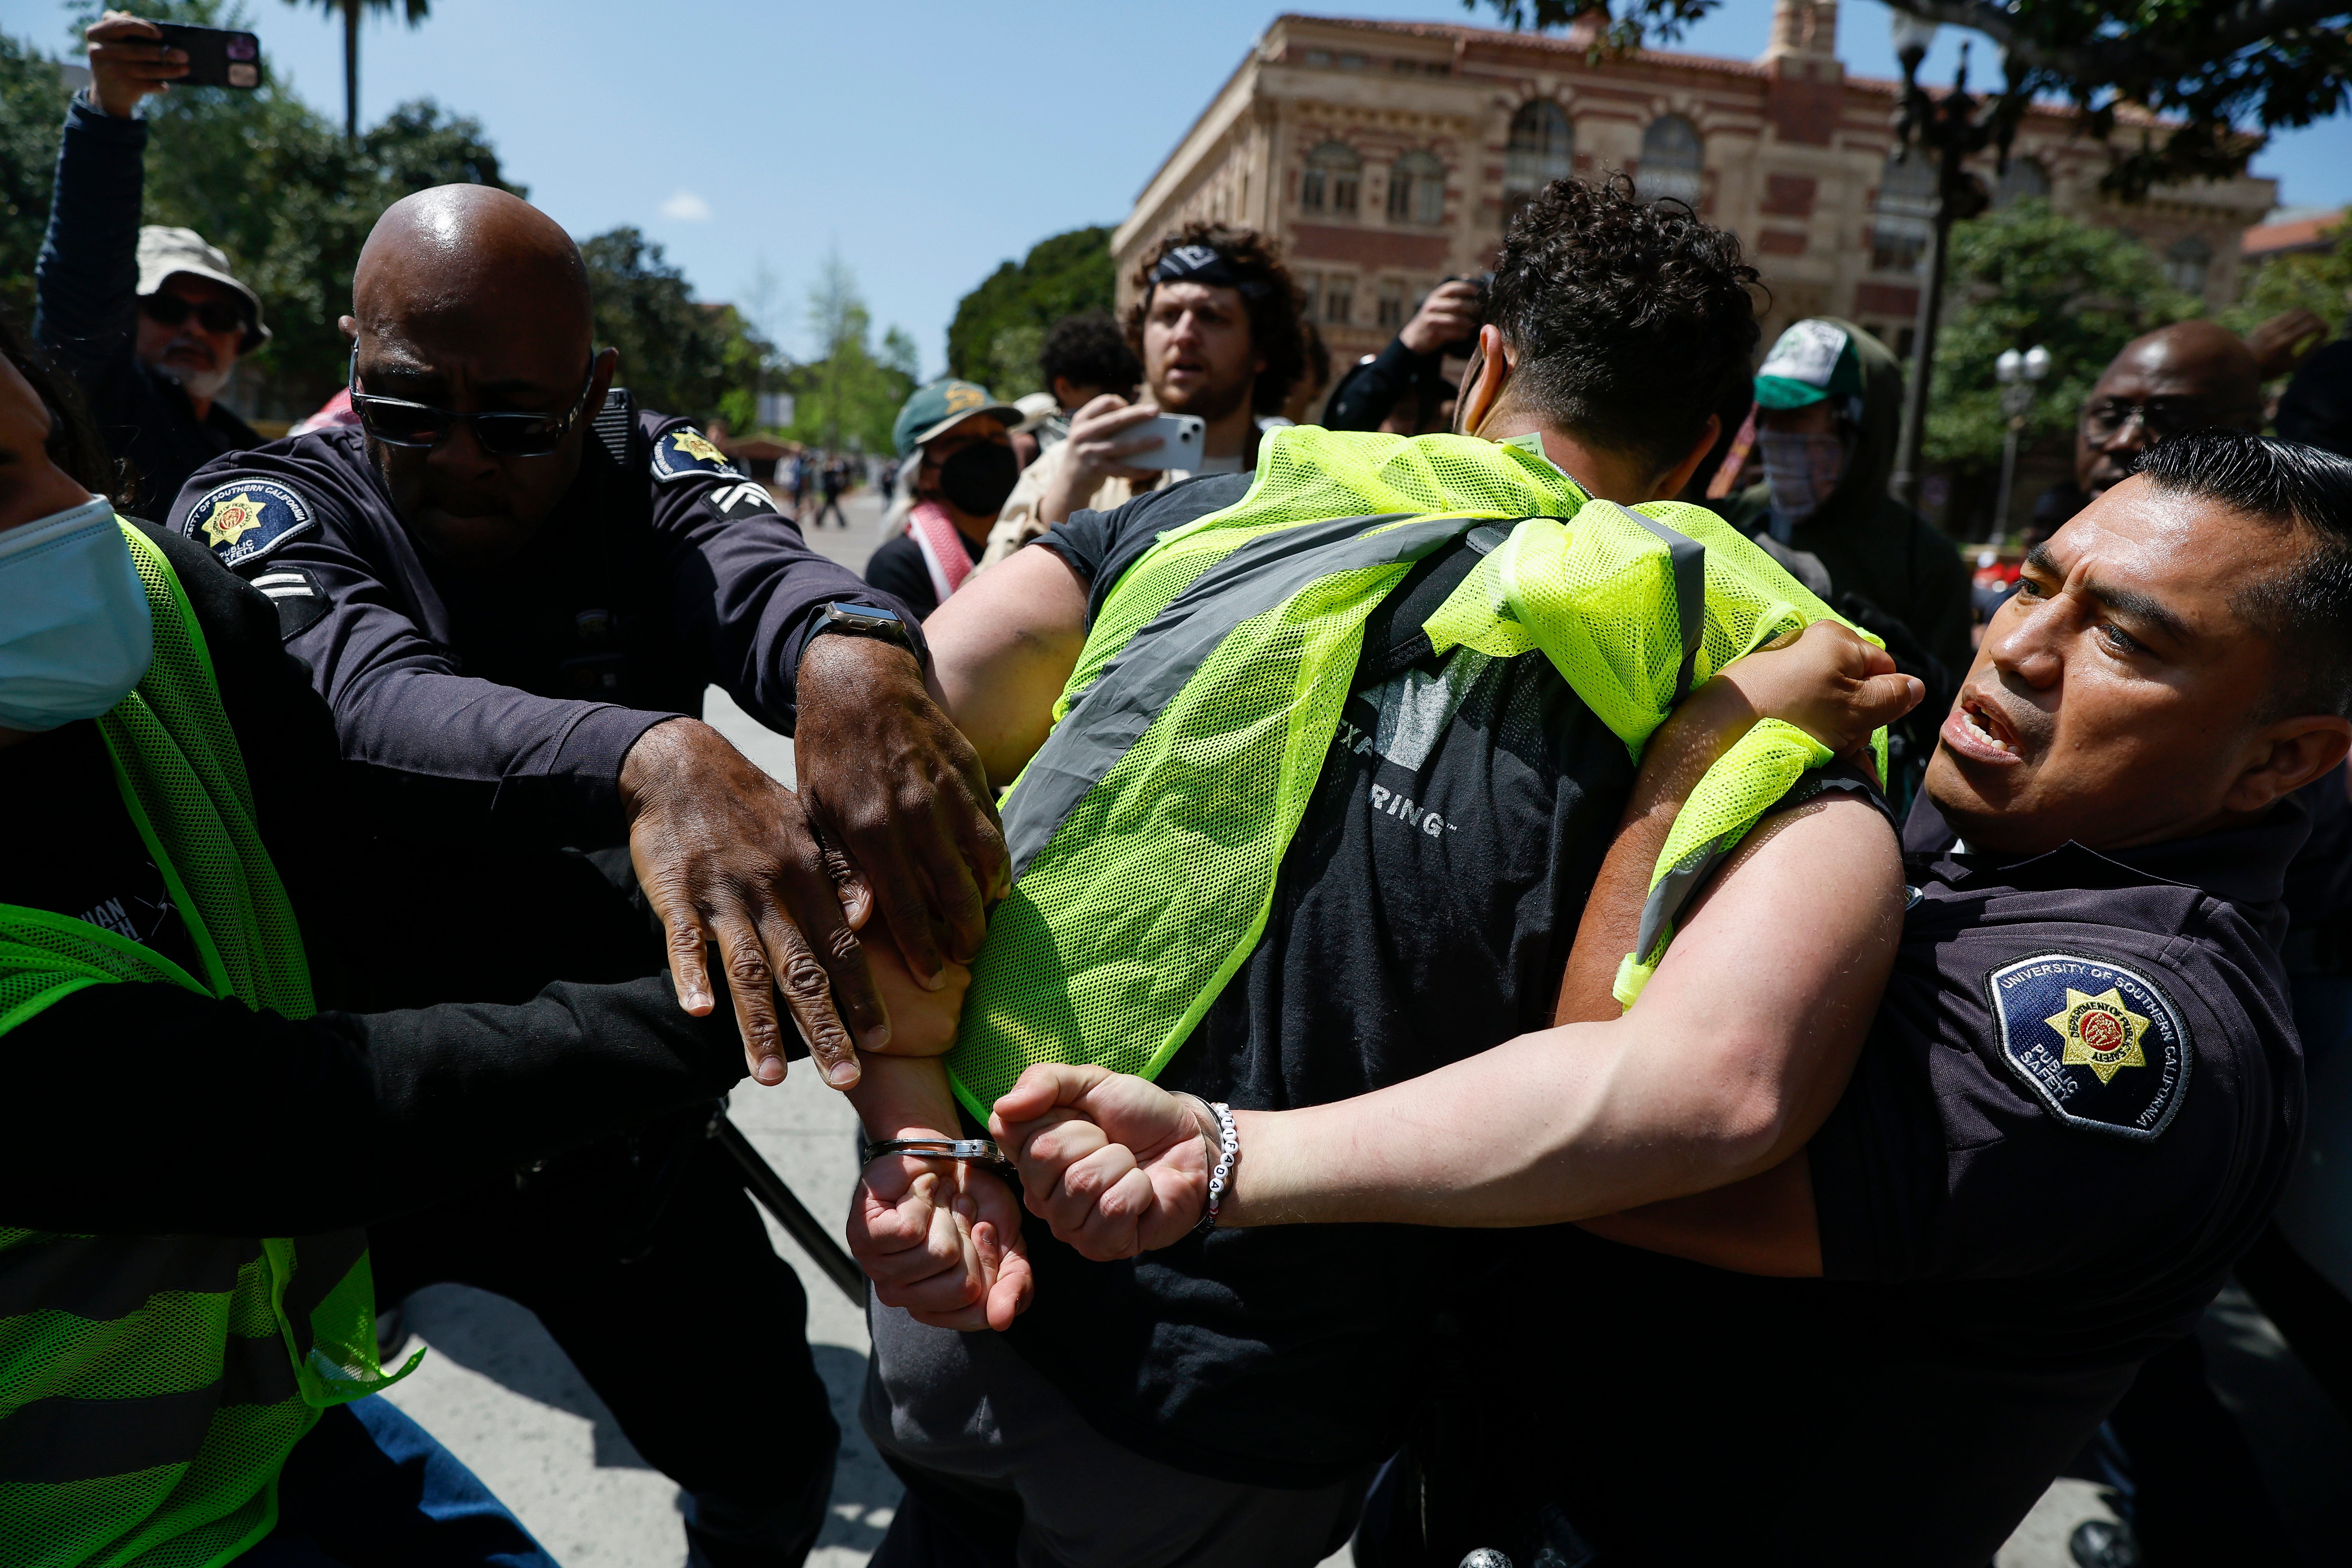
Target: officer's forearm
[[1737, 1051]]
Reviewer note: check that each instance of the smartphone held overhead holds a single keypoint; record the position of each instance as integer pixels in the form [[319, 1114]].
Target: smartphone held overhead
[[217, 57]]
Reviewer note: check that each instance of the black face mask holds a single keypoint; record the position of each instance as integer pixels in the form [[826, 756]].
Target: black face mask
[[978, 479]]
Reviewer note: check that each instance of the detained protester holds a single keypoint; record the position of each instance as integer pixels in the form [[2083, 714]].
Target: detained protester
[[955, 440], [1225, 1401], [1407, 375], [512, 589], [2087, 999], [1215, 324], [1829, 404], [190, 870], [149, 322]]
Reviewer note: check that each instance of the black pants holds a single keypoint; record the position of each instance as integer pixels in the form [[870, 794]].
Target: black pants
[[689, 1327], [642, 1254]]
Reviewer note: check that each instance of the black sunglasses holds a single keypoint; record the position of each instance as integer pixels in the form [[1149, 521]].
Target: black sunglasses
[[170, 311], [2162, 417], [396, 422]]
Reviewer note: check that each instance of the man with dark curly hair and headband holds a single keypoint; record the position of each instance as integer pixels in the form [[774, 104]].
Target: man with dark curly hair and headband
[[1216, 323], [1225, 1399]]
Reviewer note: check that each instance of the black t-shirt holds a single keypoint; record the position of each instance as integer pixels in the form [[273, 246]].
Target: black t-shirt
[[898, 569], [1422, 913], [2075, 1109], [217, 1120], [112, 882]]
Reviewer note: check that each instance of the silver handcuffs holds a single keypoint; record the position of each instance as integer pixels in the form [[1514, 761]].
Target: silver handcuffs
[[979, 1150]]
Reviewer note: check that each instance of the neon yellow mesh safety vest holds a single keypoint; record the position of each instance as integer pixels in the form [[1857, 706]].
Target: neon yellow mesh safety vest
[[1146, 832], [151, 1387]]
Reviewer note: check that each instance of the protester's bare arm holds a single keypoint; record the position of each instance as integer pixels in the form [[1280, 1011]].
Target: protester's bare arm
[[1726, 1066], [940, 1237], [1701, 1084], [1001, 647], [128, 61], [1101, 436]]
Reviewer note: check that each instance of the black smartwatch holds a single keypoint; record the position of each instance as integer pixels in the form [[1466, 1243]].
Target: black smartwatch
[[866, 621]]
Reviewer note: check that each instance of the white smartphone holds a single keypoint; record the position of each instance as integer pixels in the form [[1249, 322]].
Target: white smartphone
[[1181, 435]]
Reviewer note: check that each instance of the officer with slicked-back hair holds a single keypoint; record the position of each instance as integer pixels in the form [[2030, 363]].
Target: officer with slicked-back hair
[[512, 587]]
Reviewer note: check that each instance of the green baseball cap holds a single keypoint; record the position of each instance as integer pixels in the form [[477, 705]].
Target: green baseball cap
[[946, 402], [1814, 360]]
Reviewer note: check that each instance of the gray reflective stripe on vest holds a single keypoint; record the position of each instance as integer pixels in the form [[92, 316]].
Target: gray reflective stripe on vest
[[1687, 557], [103, 1276], [53, 1441], [1145, 676]]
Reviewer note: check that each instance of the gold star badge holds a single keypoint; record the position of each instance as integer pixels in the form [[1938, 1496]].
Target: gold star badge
[[231, 519], [2100, 1032], [697, 446]]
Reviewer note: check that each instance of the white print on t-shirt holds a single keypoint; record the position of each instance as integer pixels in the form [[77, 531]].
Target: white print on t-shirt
[[1389, 802]]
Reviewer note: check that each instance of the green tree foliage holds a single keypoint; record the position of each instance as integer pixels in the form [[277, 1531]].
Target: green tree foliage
[[846, 398], [2025, 276], [32, 104], [1000, 326], [2317, 281], [704, 361], [2208, 66]]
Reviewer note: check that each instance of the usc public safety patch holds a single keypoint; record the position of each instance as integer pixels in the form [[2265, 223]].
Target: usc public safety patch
[[244, 520], [682, 454], [2099, 1044]]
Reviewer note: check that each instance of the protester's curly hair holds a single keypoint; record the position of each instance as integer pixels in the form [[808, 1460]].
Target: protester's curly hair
[[74, 443], [1274, 308], [1628, 320]]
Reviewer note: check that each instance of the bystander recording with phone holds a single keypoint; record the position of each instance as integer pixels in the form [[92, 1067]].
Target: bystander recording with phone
[[1216, 323], [150, 321]]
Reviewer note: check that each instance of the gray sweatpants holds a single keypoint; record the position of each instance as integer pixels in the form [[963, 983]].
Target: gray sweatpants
[[967, 1408]]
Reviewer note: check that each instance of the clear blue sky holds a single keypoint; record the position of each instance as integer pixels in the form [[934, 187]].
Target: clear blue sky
[[926, 140]]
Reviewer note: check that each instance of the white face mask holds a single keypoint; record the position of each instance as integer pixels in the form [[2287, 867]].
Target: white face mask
[[74, 632]]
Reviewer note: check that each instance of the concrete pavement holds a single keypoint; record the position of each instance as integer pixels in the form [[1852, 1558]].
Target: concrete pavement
[[496, 1390]]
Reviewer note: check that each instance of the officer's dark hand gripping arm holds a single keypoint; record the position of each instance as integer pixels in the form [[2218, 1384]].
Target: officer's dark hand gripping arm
[[497, 319], [893, 791]]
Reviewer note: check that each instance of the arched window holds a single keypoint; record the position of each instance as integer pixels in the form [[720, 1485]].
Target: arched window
[[1905, 214], [2185, 265], [1541, 149], [1333, 172], [2025, 178], [1417, 189], [1672, 155]]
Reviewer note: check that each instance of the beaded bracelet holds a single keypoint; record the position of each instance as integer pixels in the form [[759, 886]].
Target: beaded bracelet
[[1229, 1149]]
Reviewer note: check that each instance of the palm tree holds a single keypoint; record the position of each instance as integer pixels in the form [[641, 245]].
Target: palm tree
[[413, 11]]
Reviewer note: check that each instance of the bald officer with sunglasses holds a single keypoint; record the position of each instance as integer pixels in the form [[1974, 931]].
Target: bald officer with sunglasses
[[512, 587]]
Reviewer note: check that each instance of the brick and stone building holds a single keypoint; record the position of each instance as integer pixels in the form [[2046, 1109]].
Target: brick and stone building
[[1386, 155]]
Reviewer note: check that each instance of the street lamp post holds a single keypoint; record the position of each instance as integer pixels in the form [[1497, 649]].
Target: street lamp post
[[1947, 130], [2019, 375]]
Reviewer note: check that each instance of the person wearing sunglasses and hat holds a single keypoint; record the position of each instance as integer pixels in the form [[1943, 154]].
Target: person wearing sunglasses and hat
[[150, 321], [514, 586]]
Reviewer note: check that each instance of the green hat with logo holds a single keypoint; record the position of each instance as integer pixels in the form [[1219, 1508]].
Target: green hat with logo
[[940, 407], [1814, 360]]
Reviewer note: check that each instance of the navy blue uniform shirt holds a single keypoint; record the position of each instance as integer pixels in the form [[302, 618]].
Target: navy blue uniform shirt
[[499, 704], [2075, 1109]]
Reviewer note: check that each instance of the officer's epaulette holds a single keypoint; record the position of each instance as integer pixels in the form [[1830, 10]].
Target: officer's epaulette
[[613, 424]]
